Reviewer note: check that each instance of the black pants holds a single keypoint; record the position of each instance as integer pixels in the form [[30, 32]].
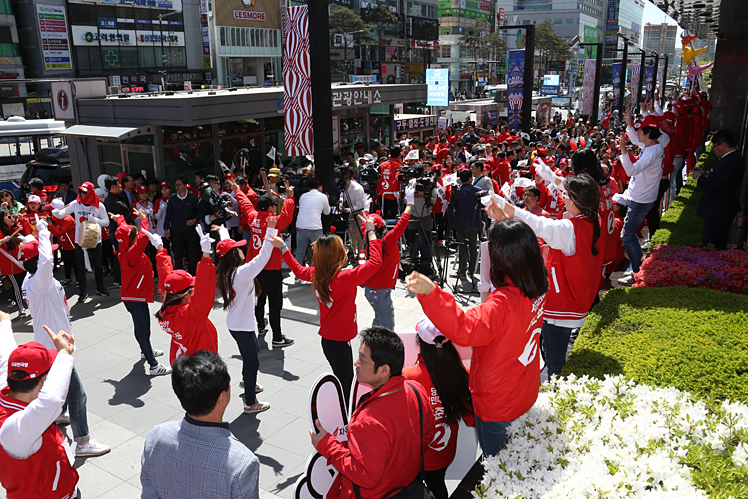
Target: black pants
[[94, 255], [271, 283], [68, 261], [249, 349], [107, 254], [653, 217], [186, 243], [436, 484], [141, 319], [389, 210], [716, 232], [340, 357], [440, 219]]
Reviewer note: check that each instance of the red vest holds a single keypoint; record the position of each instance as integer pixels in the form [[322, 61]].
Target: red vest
[[574, 280], [609, 243], [47, 473]]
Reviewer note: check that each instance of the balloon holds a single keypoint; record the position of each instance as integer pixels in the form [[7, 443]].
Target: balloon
[[689, 53], [101, 179], [582, 142], [686, 39], [573, 145], [693, 70]]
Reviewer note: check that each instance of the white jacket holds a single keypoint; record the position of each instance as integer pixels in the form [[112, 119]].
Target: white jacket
[[84, 213]]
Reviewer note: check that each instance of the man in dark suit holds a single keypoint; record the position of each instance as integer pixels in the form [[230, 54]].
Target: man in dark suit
[[721, 201]]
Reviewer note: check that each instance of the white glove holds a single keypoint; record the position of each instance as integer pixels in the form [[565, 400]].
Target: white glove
[[26, 239], [206, 243], [223, 233], [367, 203], [154, 238], [41, 224], [545, 172], [500, 200], [410, 195]]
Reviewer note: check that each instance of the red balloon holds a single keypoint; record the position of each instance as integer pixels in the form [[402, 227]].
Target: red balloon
[[573, 145]]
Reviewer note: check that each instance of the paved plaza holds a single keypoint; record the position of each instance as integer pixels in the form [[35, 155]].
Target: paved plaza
[[124, 403]]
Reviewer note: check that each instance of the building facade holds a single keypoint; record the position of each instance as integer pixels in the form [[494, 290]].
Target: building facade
[[660, 38], [570, 18], [455, 17], [622, 17], [13, 96]]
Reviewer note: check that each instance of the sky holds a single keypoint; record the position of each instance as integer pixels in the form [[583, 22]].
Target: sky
[[652, 14]]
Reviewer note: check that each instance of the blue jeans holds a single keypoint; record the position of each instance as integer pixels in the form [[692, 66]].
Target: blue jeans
[[384, 311], [76, 405], [305, 237], [249, 349], [492, 435], [141, 319], [555, 342], [634, 218]]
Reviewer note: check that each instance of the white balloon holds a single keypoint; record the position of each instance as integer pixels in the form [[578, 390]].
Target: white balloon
[[101, 181]]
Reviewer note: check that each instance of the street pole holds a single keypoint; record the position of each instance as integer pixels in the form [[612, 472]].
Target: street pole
[[656, 66], [664, 86], [598, 76], [642, 75], [622, 77], [319, 57]]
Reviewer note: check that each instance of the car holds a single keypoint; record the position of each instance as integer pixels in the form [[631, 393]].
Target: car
[[51, 165]]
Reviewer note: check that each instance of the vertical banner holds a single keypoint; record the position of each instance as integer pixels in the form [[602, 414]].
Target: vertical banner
[[437, 81], [661, 79], [588, 86], [297, 83], [617, 83], [649, 82], [515, 88], [636, 70]]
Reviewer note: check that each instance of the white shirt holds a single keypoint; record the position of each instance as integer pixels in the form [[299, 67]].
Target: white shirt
[[312, 205], [356, 193], [85, 212], [241, 312], [647, 171], [45, 296]]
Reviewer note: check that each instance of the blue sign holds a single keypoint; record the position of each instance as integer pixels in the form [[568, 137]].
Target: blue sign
[[616, 83], [649, 82], [493, 117], [437, 81], [515, 87], [107, 23], [549, 89]]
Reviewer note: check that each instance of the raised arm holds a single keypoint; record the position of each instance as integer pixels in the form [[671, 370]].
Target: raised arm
[[249, 270], [46, 265], [303, 273], [137, 249]]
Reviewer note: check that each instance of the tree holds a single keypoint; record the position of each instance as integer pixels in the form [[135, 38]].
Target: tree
[[548, 45], [478, 42], [344, 20], [380, 19]]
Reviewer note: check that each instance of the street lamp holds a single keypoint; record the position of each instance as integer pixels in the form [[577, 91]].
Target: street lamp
[[345, 62], [161, 36]]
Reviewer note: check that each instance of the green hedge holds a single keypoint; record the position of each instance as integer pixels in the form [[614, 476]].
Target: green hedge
[[692, 339], [679, 225]]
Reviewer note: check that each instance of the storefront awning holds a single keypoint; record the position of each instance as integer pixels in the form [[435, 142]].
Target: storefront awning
[[107, 132]]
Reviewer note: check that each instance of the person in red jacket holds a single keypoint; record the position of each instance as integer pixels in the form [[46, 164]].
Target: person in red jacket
[[10, 245], [137, 284], [504, 330], [378, 288], [335, 289], [441, 372], [33, 208], [252, 196], [64, 230], [388, 186], [187, 302], [270, 278], [388, 429]]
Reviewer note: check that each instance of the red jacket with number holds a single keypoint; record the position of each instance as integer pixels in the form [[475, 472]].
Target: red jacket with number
[[384, 442], [28, 222], [574, 280], [188, 324], [388, 184], [45, 474], [504, 332], [386, 278], [136, 267], [64, 231], [610, 234], [252, 196], [337, 320], [258, 224], [441, 452]]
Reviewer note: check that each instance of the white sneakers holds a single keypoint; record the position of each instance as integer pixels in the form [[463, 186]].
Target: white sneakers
[[159, 370], [91, 449], [256, 408], [156, 353]]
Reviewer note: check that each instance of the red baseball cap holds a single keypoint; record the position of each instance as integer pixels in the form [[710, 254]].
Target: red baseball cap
[[178, 281], [378, 222], [463, 166], [31, 249], [165, 184], [141, 189], [683, 107], [122, 234], [650, 121], [32, 358], [228, 175], [223, 247]]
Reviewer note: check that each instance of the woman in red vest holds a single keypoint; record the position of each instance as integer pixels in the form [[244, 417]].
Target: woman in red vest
[[10, 245]]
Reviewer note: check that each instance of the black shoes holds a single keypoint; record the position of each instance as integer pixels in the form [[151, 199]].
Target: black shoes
[[282, 342], [102, 292]]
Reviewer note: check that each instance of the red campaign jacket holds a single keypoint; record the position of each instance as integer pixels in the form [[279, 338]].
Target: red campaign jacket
[[574, 280], [252, 196], [386, 277], [388, 183], [683, 134], [258, 224], [707, 121], [45, 474], [64, 231], [441, 452], [136, 267], [384, 442], [504, 332], [610, 235], [337, 321], [7, 266], [188, 324], [28, 222]]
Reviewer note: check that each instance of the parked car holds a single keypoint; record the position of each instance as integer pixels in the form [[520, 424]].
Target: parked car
[[51, 165]]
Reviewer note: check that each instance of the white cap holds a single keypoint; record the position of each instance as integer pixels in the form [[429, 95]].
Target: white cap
[[34, 199], [427, 331]]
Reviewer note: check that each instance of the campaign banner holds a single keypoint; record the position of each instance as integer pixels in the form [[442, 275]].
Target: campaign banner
[[636, 70], [297, 86], [649, 82], [588, 85], [515, 88], [437, 81], [617, 83], [661, 79]]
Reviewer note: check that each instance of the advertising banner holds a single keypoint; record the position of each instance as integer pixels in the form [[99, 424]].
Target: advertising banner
[[649, 82], [297, 85], [515, 78], [661, 77], [437, 81], [617, 83], [636, 70], [588, 86], [54, 34]]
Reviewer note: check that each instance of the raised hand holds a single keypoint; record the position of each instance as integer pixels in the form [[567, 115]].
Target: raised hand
[[63, 341]]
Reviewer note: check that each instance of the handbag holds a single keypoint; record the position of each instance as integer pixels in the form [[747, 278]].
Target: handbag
[[417, 489]]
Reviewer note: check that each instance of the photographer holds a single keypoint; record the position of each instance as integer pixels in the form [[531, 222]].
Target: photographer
[[465, 211], [356, 195], [212, 209], [421, 223], [312, 205]]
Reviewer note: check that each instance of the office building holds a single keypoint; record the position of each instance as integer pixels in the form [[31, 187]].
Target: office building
[[622, 17], [661, 38]]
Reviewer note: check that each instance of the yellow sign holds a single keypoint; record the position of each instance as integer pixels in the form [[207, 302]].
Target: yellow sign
[[39, 100], [5, 60]]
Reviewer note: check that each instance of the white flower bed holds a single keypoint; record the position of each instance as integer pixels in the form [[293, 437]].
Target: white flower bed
[[612, 438]]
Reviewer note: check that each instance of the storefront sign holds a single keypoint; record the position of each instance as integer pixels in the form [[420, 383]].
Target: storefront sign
[[416, 123], [617, 83], [5, 60], [252, 16], [364, 78], [107, 23], [54, 34], [355, 98], [39, 100], [247, 13], [161, 4]]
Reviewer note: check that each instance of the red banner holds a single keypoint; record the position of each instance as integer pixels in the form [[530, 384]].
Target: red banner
[[297, 92]]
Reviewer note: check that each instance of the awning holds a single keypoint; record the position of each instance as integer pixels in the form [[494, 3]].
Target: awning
[[107, 131]]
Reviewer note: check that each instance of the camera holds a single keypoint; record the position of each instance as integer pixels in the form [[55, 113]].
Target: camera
[[425, 181], [221, 205], [369, 173]]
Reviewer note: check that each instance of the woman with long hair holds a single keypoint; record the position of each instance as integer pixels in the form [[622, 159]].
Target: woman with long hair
[[504, 330], [335, 289], [441, 372], [574, 260], [10, 246], [8, 202], [239, 288]]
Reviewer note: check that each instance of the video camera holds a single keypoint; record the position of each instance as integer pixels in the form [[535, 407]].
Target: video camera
[[425, 181], [369, 173], [221, 205]]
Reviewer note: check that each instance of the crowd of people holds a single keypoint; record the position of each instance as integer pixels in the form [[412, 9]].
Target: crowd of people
[[561, 209]]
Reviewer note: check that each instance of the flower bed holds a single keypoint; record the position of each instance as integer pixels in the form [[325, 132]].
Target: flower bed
[[696, 268], [679, 224], [614, 438]]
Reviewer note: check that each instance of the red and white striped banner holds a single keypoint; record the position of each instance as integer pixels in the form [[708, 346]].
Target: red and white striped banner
[[297, 83]]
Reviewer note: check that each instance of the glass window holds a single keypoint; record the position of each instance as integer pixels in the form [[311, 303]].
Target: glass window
[[82, 56], [146, 57], [244, 37], [244, 151], [252, 38], [140, 14], [188, 158], [274, 123], [177, 134], [233, 37], [9, 50], [125, 13], [111, 57], [111, 159], [5, 7], [106, 11], [129, 57], [83, 14], [222, 34], [273, 139]]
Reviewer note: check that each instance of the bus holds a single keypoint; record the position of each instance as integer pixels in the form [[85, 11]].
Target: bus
[[20, 140]]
